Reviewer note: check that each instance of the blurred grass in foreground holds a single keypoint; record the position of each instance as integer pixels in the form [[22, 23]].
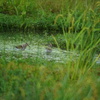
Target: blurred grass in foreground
[[22, 81]]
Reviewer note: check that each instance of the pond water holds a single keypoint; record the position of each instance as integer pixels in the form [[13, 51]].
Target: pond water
[[36, 49]]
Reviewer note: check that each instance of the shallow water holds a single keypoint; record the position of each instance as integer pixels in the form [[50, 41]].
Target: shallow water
[[36, 50]]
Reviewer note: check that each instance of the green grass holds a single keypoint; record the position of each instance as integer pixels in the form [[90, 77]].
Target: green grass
[[39, 79], [72, 15], [24, 81]]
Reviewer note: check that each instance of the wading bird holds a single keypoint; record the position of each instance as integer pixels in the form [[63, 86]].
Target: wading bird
[[48, 49], [22, 47]]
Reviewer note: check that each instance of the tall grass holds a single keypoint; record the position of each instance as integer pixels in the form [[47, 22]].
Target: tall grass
[[41, 14], [70, 81], [43, 80]]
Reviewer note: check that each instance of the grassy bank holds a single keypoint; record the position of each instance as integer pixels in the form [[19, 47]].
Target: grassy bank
[[57, 82], [48, 15]]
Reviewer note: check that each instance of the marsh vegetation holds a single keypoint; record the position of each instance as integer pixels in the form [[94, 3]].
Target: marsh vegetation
[[69, 69]]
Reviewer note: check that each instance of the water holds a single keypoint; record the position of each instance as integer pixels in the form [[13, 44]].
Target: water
[[37, 49], [34, 51]]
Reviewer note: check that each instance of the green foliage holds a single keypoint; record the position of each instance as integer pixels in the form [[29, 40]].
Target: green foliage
[[23, 81], [38, 79], [73, 16]]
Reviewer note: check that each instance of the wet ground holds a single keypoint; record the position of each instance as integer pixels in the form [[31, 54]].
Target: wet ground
[[36, 49]]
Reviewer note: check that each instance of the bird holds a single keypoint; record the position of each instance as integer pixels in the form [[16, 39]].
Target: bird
[[48, 49], [22, 47]]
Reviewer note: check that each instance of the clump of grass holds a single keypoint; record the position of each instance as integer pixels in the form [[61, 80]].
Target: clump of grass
[[69, 81], [42, 14]]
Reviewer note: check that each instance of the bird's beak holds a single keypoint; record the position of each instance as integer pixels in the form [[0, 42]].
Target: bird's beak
[[28, 45]]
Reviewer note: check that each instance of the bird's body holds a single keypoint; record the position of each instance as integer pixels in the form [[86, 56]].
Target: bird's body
[[49, 49], [22, 47]]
